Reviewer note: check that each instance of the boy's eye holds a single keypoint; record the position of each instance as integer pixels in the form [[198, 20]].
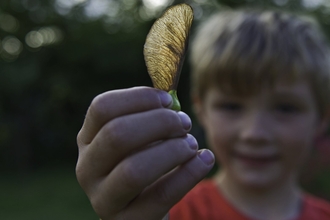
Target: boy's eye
[[286, 108], [229, 106]]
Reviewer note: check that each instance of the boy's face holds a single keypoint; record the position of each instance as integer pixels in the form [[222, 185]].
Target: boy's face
[[263, 139]]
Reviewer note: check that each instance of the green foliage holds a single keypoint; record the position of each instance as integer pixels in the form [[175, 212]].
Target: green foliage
[[50, 195]]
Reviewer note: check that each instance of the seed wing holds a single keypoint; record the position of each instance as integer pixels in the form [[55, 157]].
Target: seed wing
[[166, 44]]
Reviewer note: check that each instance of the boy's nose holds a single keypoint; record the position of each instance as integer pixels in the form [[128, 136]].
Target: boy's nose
[[255, 129]]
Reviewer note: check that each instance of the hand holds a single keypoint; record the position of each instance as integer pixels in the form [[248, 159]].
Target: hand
[[136, 158]]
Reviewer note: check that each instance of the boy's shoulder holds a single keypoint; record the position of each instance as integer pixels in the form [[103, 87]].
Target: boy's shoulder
[[315, 208], [205, 202], [206, 189]]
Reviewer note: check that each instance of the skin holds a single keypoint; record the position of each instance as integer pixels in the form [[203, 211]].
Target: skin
[[262, 141], [136, 158]]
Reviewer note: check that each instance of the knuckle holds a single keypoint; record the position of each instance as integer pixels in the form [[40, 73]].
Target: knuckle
[[132, 176], [81, 175], [98, 206], [101, 203], [98, 107], [164, 195], [179, 146], [115, 133], [182, 144], [191, 174], [171, 121], [171, 117], [79, 140]]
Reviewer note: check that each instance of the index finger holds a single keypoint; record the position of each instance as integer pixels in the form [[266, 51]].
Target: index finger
[[112, 104]]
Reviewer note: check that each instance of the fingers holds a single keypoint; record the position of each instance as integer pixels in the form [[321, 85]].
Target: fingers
[[158, 198], [133, 174], [135, 153], [117, 103], [125, 135]]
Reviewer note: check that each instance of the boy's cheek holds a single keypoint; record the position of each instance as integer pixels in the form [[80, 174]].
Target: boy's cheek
[[220, 145], [294, 148]]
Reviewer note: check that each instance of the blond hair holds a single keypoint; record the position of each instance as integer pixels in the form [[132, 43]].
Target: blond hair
[[241, 50]]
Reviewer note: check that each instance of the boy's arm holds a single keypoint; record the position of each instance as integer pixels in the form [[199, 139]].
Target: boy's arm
[[136, 159]]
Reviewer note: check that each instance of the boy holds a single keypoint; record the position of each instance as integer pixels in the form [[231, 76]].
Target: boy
[[260, 91]]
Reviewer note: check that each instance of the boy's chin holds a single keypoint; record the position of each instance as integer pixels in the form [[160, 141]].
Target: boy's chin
[[258, 179], [257, 186]]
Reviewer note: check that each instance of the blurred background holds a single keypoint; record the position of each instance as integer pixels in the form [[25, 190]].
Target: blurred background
[[55, 56]]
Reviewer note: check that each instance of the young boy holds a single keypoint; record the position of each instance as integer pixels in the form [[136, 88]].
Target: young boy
[[261, 92]]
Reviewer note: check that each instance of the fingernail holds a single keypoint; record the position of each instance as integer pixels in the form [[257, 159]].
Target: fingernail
[[206, 156], [192, 142], [185, 120], [165, 98]]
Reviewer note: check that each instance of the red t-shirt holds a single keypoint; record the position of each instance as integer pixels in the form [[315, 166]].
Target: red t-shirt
[[206, 202]]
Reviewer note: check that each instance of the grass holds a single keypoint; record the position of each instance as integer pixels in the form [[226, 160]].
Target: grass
[[56, 195], [51, 195]]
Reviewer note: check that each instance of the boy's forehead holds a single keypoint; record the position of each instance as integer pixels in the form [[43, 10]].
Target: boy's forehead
[[299, 87]]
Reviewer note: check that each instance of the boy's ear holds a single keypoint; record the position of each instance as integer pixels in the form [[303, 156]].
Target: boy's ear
[[197, 108]]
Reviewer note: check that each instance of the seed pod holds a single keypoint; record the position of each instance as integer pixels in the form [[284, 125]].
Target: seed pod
[[165, 49]]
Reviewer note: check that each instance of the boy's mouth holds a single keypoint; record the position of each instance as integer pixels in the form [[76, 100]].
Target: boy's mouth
[[256, 160]]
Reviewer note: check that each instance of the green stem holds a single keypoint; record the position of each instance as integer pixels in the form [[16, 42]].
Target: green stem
[[176, 104]]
